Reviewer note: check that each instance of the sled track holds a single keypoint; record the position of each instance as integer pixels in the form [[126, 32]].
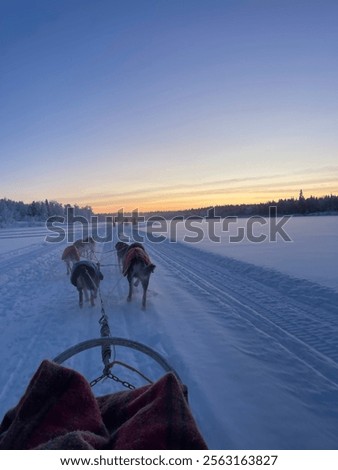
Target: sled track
[[39, 276], [19, 258], [311, 340]]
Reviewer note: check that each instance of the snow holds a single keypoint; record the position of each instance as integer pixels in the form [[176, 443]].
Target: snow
[[311, 253], [251, 328]]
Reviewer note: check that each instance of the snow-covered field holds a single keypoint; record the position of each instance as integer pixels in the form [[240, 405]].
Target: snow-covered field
[[251, 328]]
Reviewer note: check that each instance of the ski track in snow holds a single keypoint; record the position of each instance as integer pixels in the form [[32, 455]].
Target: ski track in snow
[[303, 330], [257, 349]]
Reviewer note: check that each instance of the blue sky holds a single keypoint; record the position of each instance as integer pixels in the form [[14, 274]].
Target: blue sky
[[168, 104]]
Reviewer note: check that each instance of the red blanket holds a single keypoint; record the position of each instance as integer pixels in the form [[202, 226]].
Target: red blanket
[[135, 253], [59, 411]]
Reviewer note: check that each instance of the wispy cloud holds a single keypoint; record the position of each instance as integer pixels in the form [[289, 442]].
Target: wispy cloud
[[220, 191]]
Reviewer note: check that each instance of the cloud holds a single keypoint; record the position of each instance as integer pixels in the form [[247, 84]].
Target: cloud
[[221, 191]]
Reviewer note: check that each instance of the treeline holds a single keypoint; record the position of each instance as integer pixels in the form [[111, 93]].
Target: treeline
[[301, 206], [12, 212], [293, 206], [37, 211]]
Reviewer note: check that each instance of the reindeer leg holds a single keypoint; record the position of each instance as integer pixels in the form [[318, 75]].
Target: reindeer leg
[[120, 259], [145, 283], [130, 280], [80, 298], [86, 294]]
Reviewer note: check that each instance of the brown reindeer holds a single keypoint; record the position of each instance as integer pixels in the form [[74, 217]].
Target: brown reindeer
[[137, 265], [86, 247], [121, 250], [70, 256]]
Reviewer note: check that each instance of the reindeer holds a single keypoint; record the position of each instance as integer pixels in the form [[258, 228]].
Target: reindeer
[[86, 247], [121, 249], [70, 256], [86, 277], [137, 264]]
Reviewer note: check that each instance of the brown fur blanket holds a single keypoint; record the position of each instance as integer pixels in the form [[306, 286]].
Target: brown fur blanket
[[59, 411], [132, 254]]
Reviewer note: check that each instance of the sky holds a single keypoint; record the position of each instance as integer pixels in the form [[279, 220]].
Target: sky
[[168, 104]]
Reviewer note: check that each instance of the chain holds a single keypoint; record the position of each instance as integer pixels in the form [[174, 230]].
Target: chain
[[109, 375], [95, 381], [122, 382]]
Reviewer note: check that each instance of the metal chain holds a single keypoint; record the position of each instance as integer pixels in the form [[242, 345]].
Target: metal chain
[[122, 382], [111, 376]]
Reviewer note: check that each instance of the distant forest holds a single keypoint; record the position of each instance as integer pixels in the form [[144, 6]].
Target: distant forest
[[12, 212], [35, 212], [293, 206]]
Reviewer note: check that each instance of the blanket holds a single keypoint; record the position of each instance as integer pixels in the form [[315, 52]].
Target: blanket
[[59, 411], [135, 253], [91, 267]]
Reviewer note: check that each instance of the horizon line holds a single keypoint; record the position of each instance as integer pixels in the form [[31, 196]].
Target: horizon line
[[211, 206]]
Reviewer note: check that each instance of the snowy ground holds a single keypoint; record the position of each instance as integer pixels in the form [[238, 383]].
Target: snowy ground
[[252, 329]]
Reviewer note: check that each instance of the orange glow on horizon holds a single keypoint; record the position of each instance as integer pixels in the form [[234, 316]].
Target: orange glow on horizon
[[196, 201]]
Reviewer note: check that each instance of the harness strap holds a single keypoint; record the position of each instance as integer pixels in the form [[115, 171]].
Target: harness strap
[[105, 333]]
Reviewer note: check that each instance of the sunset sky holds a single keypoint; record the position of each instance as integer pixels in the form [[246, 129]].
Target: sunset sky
[[168, 104]]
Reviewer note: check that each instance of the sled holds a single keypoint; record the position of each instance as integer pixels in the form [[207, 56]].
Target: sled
[[59, 411], [106, 343]]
